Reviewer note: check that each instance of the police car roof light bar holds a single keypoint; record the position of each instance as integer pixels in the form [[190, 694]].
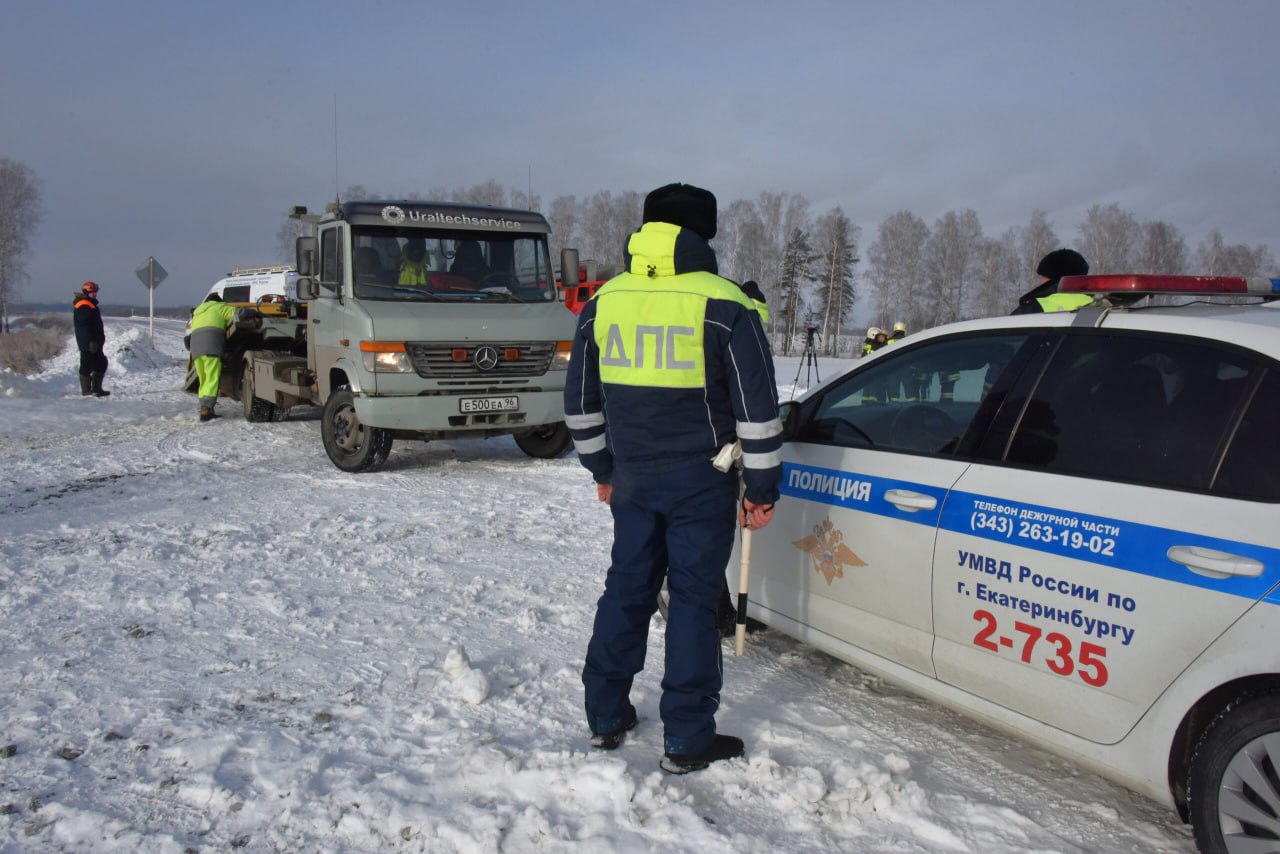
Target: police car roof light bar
[[1190, 285]]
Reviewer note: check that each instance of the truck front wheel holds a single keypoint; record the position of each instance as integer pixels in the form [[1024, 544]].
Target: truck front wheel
[[545, 442], [351, 445]]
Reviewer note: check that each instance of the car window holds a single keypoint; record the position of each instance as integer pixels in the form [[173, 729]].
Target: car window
[[235, 293], [919, 400], [1131, 407], [1251, 468], [330, 260]]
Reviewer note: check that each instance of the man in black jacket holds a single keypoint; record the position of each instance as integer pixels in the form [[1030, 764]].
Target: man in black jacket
[[90, 338]]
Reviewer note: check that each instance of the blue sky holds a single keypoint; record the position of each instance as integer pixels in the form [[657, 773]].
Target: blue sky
[[183, 131]]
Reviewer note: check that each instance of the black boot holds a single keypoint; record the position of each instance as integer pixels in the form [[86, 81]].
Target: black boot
[[724, 747], [85, 387], [96, 379], [611, 740]]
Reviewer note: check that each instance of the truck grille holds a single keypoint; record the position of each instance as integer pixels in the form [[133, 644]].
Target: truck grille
[[435, 359]]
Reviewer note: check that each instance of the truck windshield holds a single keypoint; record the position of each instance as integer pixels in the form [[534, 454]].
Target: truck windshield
[[438, 265]]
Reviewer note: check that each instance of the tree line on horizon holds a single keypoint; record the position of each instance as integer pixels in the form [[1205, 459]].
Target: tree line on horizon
[[813, 270]]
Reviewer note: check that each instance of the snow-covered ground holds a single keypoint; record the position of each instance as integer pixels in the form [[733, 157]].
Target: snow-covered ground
[[213, 640]]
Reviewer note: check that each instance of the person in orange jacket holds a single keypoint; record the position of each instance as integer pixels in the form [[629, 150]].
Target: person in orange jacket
[[90, 338]]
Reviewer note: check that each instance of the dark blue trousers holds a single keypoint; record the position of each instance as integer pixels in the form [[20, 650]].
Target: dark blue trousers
[[675, 521]]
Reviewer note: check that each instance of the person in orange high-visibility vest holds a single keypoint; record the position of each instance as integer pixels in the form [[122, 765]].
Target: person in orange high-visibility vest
[[90, 338]]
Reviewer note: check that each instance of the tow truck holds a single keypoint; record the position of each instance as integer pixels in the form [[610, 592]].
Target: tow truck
[[414, 320]]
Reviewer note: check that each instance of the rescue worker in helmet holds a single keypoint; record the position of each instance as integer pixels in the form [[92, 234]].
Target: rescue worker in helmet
[[899, 332], [876, 338], [90, 339], [1045, 297], [869, 343]]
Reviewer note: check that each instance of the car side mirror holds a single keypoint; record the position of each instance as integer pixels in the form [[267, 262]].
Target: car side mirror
[[789, 415]]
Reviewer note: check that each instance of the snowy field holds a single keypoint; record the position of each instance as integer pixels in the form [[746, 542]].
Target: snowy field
[[213, 640]]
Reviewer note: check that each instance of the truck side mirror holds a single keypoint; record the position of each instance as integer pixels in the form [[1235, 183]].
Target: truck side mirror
[[307, 288], [568, 267], [305, 249]]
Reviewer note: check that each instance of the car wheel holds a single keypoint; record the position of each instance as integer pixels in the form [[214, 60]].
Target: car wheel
[[1233, 790], [351, 445], [255, 408], [545, 442]]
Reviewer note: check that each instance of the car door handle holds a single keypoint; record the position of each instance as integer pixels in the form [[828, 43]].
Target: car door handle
[[1213, 563], [910, 501]]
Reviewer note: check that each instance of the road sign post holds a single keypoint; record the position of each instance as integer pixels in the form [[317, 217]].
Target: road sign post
[[151, 274]]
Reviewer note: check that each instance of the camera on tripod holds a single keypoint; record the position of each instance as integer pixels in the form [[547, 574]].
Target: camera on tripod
[[808, 358]]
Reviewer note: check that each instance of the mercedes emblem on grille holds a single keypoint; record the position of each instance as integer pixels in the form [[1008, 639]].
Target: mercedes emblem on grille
[[486, 358]]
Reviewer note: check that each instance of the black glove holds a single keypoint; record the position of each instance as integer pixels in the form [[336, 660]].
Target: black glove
[[95, 347]]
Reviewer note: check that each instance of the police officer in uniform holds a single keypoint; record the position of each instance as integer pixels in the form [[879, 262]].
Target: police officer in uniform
[[670, 363], [1045, 297]]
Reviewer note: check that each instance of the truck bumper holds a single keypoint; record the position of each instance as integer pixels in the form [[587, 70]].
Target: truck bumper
[[443, 413]]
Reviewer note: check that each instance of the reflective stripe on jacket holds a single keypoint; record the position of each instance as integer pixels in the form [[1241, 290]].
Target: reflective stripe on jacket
[[670, 362], [1063, 302]]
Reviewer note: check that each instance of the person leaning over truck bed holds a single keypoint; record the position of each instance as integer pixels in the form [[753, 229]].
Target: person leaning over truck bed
[[209, 324]]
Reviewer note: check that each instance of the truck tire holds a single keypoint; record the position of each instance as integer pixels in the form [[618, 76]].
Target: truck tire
[[351, 445], [255, 408], [1234, 781], [545, 442]]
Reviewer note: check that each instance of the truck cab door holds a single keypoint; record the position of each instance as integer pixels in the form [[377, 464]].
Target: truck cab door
[[325, 319]]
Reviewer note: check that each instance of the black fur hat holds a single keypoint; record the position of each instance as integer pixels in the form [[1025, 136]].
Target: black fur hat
[[684, 205], [1062, 262]]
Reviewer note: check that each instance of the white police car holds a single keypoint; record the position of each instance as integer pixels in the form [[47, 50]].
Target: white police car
[[1066, 526]]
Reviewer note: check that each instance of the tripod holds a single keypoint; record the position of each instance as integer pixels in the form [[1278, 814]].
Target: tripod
[[808, 360]]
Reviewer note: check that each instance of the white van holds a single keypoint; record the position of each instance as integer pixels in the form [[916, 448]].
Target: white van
[[258, 284]]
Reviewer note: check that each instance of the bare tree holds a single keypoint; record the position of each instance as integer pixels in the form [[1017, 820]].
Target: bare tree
[[607, 223], [1163, 251], [1109, 239], [896, 269], [836, 249], [998, 274], [563, 217], [741, 244], [950, 259], [1215, 257], [488, 193], [1035, 241], [287, 238], [21, 211]]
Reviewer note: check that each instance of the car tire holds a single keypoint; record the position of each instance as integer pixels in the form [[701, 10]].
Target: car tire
[[255, 408], [1233, 789], [352, 446], [546, 442]]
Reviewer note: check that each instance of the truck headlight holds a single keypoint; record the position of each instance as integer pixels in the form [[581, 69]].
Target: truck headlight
[[385, 357], [560, 361]]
